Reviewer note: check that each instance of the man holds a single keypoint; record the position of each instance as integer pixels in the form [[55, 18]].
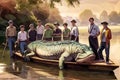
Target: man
[[74, 34], [47, 33], [57, 32], [22, 39], [66, 32], [32, 33], [94, 32], [106, 36], [40, 30], [10, 37]]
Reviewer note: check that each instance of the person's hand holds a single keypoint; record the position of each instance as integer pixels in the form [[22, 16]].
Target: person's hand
[[76, 39], [17, 42]]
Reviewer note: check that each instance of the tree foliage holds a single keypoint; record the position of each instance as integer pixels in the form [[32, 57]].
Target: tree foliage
[[27, 11], [54, 16]]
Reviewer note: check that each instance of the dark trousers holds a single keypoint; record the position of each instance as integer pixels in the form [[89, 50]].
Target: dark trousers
[[23, 45], [48, 39], [11, 43], [73, 38], [39, 36], [93, 42], [102, 47], [56, 38]]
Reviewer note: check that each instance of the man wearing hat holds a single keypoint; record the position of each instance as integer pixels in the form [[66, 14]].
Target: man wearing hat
[[74, 34], [48, 33], [57, 32], [106, 36], [10, 37], [32, 33], [40, 30], [94, 32]]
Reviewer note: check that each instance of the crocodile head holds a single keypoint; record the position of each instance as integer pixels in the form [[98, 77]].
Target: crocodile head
[[86, 56]]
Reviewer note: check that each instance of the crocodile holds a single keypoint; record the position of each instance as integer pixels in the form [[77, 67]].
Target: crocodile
[[64, 51]]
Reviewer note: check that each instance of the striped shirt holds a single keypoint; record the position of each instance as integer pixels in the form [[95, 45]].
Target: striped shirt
[[40, 29]]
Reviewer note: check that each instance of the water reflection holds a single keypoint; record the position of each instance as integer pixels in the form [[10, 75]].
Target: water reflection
[[31, 71]]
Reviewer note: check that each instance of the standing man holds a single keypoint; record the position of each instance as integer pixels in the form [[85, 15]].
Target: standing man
[[57, 32], [22, 39], [40, 30], [10, 37], [106, 36], [94, 32], [48, 33], [74, 34], [66, 32], [32, 33]]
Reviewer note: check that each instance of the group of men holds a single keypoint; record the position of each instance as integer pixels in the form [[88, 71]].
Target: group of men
[[39, 33], [47, 33], [105, 37]]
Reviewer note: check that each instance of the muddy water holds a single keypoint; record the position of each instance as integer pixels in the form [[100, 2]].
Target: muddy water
[[19, 70]]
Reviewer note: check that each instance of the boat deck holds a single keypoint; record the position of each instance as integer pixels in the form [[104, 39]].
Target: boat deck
[[99, 66]]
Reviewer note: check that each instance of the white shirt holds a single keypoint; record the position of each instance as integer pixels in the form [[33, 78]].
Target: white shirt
[[74, 31], [22, 36], [93, 30], [103, 36], [40, 29]]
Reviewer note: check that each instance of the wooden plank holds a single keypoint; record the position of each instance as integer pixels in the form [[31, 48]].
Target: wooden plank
[[73, 65]]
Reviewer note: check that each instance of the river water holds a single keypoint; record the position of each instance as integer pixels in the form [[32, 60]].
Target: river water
[[19, 70]]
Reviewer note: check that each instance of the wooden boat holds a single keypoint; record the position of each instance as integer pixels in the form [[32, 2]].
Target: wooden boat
[[97, 66]]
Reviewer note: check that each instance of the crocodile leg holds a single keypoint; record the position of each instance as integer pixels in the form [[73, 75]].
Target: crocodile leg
[[62, 58]]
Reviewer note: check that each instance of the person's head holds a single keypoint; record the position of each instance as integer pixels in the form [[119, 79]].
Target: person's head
[[47, 27], [91, 20], [31, 26], [56, 24], [10, 22], [22, 27], [65, 25], [105, 24], [39, 22], [73, 22]]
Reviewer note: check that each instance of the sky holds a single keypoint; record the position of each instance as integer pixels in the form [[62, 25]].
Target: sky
[[97, 6]]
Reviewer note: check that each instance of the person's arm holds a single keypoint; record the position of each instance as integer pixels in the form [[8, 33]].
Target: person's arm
[[76, 33], [43, 35], [68, 33], [15, 32], [18, 38], [108, 37], [36, 34], [27, 36], [98, 31], [6, 34], [28, 33]]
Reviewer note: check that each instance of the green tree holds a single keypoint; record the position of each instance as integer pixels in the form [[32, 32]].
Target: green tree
[[56, 17]]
